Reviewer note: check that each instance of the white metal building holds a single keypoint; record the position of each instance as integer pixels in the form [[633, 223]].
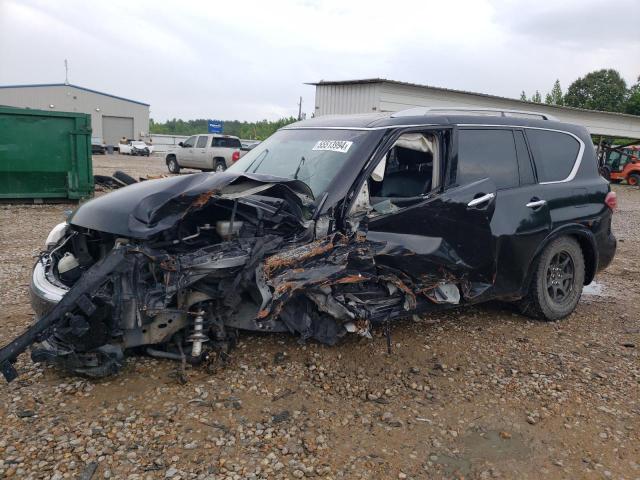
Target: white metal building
[[381, 95], [112, 117]]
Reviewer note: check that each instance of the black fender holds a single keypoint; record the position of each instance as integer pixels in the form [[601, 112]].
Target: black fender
[[585, 238]]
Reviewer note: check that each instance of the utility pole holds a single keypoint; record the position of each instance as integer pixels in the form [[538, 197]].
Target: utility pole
[[300, 109], [66, 72]]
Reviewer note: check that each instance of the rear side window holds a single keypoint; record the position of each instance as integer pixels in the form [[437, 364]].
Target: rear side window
[[554, 154], [202, 142], [487, 154], [225, 142]]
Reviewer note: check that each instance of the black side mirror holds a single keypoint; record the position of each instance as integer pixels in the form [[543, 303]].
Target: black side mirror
[[181, 144]]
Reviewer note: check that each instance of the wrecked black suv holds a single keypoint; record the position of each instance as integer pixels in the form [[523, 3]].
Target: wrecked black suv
[[329, 227]]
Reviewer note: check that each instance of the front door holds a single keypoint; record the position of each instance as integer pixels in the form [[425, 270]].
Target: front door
[[185, 153], [433, 232]]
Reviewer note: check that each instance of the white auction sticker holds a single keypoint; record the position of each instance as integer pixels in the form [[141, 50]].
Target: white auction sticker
[[341, 146]]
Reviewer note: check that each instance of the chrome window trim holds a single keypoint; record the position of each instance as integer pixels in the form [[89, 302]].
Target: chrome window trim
[[572, 174], [576, 164], [387, 127]]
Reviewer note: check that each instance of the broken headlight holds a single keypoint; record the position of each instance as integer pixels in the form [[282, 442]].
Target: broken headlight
[[56, 234]]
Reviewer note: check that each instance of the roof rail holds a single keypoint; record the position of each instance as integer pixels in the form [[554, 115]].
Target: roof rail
[[501, 112]]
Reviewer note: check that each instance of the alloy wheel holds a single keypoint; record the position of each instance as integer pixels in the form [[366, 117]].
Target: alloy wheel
[[560, 275]]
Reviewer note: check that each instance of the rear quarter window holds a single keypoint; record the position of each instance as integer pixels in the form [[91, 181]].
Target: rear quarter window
[[226, 142], [554, 154]]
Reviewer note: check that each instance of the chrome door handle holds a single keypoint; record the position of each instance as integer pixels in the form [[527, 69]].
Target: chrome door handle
[[536, 203], [477, 201]]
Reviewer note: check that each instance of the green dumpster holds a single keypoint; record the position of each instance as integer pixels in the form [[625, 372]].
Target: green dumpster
[[45, 155]]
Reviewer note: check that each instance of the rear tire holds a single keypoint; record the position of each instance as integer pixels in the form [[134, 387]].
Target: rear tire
[[219, 166], [634, 180], [124, 178], [172, 164], [557, 281]]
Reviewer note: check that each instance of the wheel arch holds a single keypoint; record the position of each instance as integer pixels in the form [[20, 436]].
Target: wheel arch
[[585, 238]]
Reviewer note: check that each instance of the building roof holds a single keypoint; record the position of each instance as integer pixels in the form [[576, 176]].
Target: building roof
[[42, 85], [485, 95]]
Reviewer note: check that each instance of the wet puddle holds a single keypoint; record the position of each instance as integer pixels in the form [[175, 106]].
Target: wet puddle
[[493, 446], [594, 288], [481, 446]]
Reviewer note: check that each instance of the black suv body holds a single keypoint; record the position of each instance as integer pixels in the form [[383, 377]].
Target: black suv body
[[326, 228]]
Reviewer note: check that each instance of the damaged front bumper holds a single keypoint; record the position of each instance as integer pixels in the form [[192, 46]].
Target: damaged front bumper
[[182, 273], [44, 294]]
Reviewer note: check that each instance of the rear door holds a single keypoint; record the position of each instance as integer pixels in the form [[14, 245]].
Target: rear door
[[521, 219], [200, 153]]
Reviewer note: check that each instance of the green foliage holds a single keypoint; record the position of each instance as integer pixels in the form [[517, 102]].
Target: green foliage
[[523, 96], [249, 130], [537, 98], [603, 90], [555, 97], [633, 101]]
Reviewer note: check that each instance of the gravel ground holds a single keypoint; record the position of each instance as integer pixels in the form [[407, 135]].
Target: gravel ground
[[475, 393]]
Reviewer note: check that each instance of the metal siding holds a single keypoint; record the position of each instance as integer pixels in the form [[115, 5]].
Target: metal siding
[[361, 98], [62, 96]]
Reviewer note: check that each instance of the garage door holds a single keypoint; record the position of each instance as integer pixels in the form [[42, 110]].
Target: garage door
[[114, 128]]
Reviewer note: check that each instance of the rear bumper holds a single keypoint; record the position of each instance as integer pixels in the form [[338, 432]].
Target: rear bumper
[[606, 250]]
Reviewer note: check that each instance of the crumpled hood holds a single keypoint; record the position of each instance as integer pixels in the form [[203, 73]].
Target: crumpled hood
[[146, 208]]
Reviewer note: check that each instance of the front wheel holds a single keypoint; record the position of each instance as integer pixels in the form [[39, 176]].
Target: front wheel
[[557, 281], [172, 165], [634, 179]]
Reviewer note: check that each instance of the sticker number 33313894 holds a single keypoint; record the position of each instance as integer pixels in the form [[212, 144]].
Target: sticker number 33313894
[[341, 146]]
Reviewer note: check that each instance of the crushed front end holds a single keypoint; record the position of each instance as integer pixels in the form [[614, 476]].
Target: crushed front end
[[175, 267]]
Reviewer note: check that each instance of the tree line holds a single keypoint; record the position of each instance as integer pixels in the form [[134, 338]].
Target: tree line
[[603, 90], [248, 130]]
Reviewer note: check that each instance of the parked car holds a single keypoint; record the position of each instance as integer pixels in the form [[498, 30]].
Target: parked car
[[329, 227], [135, 147], [98, 146], [247, 145], [205, 152]]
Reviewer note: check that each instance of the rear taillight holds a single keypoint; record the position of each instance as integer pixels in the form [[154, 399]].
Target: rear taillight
[[235, 157], [611, 200]]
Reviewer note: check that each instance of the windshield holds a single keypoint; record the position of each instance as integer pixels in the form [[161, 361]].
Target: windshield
[[312, 156]]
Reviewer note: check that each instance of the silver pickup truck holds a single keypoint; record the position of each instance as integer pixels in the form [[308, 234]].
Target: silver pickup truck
[[205, 152]]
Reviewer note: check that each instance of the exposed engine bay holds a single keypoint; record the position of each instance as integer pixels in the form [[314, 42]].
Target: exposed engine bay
[[198, 259]]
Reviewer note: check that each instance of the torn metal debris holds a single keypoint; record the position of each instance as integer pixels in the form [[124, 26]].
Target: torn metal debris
[[198, 259]]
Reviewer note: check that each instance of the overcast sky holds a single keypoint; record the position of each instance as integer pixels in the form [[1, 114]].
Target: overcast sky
[[249, 60]]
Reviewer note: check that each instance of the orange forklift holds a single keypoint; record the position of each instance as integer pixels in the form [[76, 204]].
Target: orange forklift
[[620, 163]]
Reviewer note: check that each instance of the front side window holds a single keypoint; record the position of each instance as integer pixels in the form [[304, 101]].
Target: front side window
[[487, 154], [202, 142], [314, 156], [408, 168], [554, 154], [189, 142]]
